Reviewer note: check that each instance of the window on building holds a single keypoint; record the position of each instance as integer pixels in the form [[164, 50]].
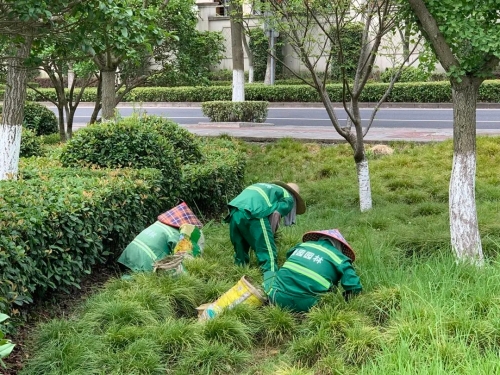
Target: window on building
[[223, 8]]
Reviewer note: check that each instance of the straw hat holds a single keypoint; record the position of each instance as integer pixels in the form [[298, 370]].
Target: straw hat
[[294, 190], [332, 233]]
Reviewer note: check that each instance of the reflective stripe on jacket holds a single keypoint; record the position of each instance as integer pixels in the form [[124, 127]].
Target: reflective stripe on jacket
[[313, 267], [260, 200]]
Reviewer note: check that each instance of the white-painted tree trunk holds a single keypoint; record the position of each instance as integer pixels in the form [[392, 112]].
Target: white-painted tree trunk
[[267, 77], [10, 144], [465, 238], [464, 228], [13, 109], [238, 86], [365, 191], [250, 74], [71, 75], [236, 15]]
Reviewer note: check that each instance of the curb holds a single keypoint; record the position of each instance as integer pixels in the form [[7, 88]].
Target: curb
[[140, 105]]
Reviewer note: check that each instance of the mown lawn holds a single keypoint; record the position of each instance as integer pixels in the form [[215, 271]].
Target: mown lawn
[[420, 311]]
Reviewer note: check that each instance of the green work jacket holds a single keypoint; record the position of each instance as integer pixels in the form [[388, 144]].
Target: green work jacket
[[261, 200], [152, 244], [313, 268]]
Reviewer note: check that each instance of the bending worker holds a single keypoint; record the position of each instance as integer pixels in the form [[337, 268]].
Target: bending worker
[[251, 213], [314, 267], [159, 239]]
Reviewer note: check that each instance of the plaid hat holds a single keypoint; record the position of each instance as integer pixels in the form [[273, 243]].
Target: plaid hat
[[180, 214], [332, 233]]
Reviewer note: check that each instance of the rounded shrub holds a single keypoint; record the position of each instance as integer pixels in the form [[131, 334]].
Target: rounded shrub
[[409, 74], [185, 144], [30, 144], [127, 143], [40, 119]]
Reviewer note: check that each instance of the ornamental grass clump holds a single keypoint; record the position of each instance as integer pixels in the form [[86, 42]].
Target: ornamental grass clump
[[227, 331], [213, 358]]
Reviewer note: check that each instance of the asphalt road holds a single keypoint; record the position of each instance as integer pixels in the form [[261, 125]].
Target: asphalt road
[[435, 118]]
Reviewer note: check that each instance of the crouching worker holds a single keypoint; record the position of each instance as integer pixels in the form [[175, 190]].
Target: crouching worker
[[160, 239], [250, 217], [314, 267]]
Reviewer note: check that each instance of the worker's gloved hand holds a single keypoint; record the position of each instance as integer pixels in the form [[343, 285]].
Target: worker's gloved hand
[[267, 284], [349, 294]]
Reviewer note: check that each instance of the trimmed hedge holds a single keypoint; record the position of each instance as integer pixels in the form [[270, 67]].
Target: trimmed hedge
[[185, 144], [38, 118], [56, 223], [227, 111], [420, 92], [209, 186]]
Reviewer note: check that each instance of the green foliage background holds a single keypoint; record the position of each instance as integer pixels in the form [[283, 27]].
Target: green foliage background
[[351, 39]]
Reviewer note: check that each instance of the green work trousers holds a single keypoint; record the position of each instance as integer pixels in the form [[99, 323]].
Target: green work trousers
[[257, 234], [292, 302]]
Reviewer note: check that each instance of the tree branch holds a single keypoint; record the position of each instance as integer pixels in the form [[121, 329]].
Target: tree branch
[[430, 27]]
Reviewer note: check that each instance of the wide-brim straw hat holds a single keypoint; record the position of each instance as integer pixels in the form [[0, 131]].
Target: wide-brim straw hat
[[293, 189], [332, 233]]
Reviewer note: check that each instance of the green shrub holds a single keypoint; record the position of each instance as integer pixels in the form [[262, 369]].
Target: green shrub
[[409, 74], [39, 118], [418, 92], [31, 145], [6, 346], [186, 144], [127, 143], [56, 223], [351, 39], [221, 75], [221, 111], [210, 185], [259, 45]]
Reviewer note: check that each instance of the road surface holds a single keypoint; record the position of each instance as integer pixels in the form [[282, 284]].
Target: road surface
[[424, 118]]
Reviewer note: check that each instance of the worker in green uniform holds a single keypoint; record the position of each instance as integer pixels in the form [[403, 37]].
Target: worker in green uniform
[[314, 267], [249, 221], [158, 240]]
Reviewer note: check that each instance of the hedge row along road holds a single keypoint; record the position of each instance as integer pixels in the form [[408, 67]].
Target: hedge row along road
[[436, 118]]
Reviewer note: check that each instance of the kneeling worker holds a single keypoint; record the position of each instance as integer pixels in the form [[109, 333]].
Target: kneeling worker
[[313, 267], [250, 217]]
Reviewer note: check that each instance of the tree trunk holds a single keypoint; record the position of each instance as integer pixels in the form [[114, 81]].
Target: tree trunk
[[97, 106], [365, 191], [108, 94], [267, 77], [236, 15], [250, 58], [465, 238], [13, 111], [62, 130]]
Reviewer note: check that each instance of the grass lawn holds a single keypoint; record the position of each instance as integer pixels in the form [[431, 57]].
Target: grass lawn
[[420, 311]]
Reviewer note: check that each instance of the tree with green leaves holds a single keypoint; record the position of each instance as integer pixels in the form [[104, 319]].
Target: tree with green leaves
[[117, 31], [316, 31], [22, 22], [465, 36]]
